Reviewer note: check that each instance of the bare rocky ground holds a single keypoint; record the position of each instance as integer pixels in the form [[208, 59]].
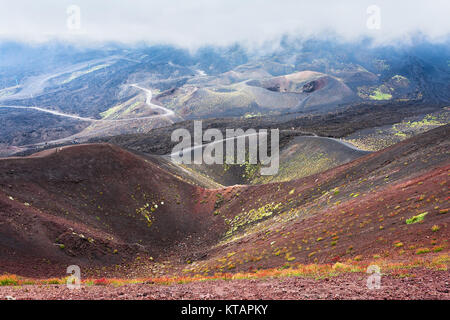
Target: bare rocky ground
[[420, 284]]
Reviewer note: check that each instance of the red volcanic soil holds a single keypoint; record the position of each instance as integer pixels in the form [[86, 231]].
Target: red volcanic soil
[[117, 214], [422, 284], [95, 205], [354, 211]]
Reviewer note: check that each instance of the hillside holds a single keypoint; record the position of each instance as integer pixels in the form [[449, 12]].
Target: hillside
[[301, 156], [299, 91], [359, 210], [116, 213], [93, 205]]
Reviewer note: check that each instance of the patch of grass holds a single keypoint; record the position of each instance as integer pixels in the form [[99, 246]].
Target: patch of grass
[[252, 216], [422, 250], [80, 73], [289, 257], [417, 218], [435, 228], [219, 200], [315, 271], [378, 95], [54, 281], [9, 280], [101, 282]]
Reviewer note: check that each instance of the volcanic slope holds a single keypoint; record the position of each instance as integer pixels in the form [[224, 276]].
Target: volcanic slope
[[392, 204], [300, 91], [94, 205], [100, 206], [300, 157]]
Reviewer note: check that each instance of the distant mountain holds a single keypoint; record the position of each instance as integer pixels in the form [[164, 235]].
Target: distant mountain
[[300, 76]]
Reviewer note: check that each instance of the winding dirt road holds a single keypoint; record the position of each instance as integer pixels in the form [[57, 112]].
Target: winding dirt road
[[167, 112], [56, 113], [173, 155]]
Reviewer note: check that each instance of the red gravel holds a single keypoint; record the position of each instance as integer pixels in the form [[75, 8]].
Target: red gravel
[[422, 284]]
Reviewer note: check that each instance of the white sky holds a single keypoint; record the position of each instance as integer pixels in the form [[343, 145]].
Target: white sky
[[192, 23]]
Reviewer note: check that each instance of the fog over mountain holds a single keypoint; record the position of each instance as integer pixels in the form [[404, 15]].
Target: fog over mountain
[[344, 105], [205, 22]]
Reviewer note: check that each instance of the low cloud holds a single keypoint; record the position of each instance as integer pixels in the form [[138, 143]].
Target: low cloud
[[195, 23]]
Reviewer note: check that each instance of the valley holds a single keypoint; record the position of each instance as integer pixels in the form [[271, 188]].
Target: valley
[[87, 175], [301, 80], [163, 226]]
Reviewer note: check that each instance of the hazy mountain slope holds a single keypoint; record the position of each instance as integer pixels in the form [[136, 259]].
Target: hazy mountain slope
[[305, 156], [299, 91], [301, 76], [300, 157]]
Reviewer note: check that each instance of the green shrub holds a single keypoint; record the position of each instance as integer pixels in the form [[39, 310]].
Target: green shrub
[[219, 200], [4, 281], [435, 228], [417, 218], [422, 250]]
